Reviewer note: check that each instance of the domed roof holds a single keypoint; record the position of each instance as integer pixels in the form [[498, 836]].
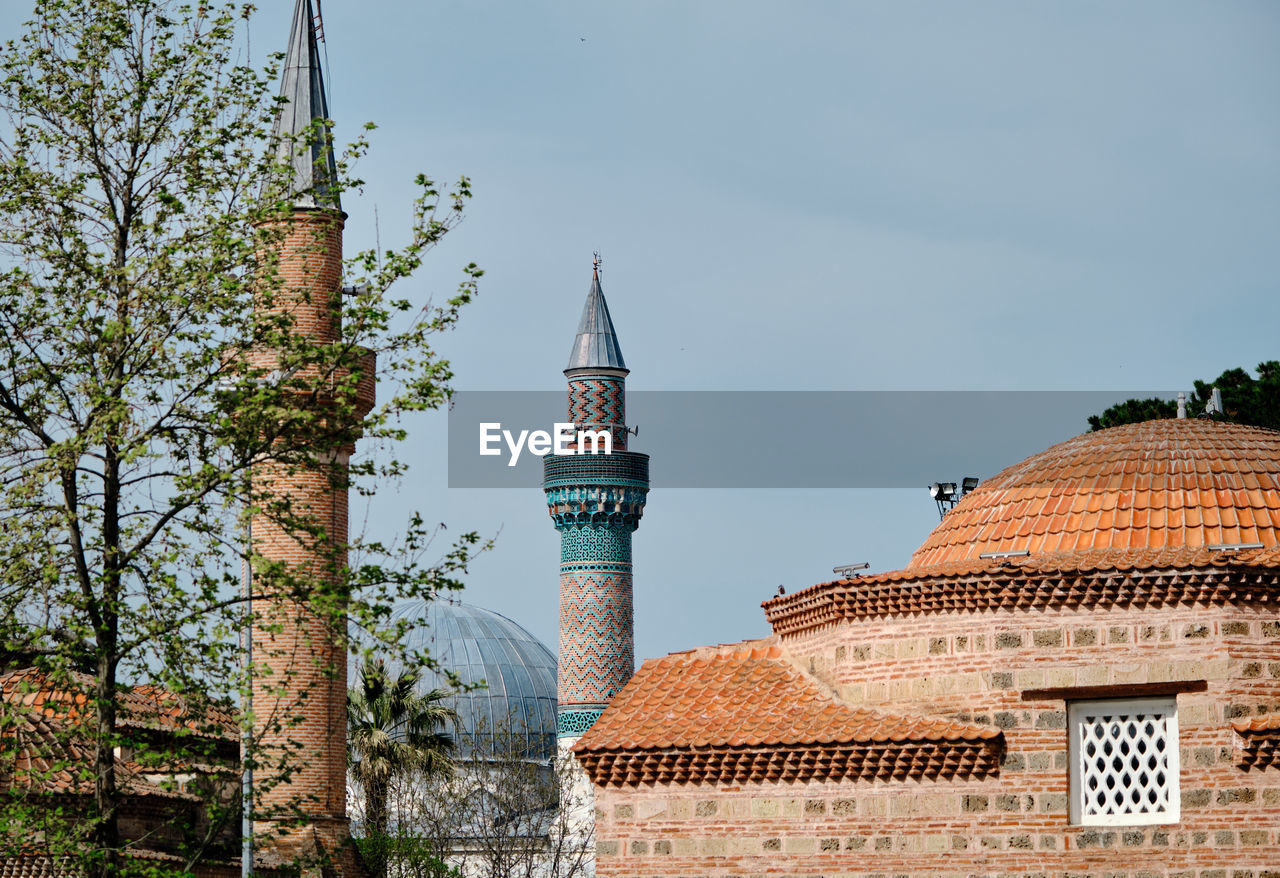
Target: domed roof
[[1152, 485], [483, 646]]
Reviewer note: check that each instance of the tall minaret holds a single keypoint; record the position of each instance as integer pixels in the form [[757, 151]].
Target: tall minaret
[[304, 814], [596, 501]]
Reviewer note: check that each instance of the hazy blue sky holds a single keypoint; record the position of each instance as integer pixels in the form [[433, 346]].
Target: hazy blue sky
[[799, 195]]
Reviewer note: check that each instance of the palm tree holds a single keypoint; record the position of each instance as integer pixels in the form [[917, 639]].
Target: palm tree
[[393, 731]]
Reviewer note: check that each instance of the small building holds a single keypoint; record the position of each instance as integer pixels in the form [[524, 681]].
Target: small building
[[177, 755], [1078, 673]]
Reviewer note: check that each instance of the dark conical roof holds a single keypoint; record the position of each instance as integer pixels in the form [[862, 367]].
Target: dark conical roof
[[596, 346], [305, 146]]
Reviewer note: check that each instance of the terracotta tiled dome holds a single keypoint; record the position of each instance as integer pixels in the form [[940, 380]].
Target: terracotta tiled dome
[[1157, 484]]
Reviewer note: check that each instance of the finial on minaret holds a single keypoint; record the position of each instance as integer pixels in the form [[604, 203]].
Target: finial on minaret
[[595, 263], [300, 126]]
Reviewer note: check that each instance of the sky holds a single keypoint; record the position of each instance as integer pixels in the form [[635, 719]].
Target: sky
[[808, 196]]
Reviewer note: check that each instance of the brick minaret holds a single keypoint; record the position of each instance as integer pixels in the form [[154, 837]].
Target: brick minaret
[[596, 502], [307, 683]]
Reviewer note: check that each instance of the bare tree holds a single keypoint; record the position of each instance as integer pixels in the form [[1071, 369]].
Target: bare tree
[[505, 813]]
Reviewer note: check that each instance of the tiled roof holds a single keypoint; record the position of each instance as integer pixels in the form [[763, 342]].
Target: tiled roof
[[746, 712], [33, 865], [742, 695], [43, 753], [149, 707], [1258, 744], [46, 733], [1094, 578], [1269, 722], [1153, 485]]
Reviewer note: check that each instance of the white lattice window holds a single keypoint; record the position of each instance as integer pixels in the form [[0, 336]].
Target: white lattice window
[[1124, 761]]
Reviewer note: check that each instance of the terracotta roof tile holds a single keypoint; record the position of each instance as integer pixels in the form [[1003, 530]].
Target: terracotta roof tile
[[746, 713], [746, 695], [147, 706], [33, 865], [1258, 741], [1224, 476], [43, 753], [1269, 722], [1094, 577]]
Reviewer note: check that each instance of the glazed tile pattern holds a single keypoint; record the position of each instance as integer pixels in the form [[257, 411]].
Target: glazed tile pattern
[[595, 502], [598, 402], [745, 712], [1153, 485], [597, 654]]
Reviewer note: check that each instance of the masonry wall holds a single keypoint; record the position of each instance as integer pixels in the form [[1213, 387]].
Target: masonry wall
[[975, 664], [978, 667], [300, 704]]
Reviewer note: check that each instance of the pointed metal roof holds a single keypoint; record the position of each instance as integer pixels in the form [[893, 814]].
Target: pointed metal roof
[[596, 346], [308, 148]]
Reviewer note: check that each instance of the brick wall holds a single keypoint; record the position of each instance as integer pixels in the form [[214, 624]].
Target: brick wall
[[306, 686], [978, 667]]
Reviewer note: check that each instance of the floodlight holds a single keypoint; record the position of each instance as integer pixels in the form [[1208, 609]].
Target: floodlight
[[1014, 553], [968, 484]]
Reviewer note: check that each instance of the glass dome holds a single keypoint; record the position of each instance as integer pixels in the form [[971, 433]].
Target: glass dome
[[515, 714]]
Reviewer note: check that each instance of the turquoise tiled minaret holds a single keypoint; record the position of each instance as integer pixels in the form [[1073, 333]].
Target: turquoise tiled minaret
[[596, 501]]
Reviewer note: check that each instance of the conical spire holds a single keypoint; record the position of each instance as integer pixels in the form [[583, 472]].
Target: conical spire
[[303, 144], [596, 346]]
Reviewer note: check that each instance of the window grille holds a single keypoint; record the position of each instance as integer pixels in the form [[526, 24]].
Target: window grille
[[1124, 762]]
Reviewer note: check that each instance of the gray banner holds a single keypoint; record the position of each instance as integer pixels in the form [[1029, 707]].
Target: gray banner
[[784, 439]]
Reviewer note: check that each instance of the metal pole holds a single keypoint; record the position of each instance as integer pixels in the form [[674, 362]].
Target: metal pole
[[246, 707]]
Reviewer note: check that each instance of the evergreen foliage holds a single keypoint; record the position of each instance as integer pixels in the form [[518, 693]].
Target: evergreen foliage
[[394, 731], [1245, 400]]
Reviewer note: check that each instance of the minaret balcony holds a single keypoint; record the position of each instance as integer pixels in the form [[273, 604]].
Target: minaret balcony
[[621, 469]]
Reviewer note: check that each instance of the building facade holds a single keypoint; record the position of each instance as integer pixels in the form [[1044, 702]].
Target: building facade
[[1077, 674]]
